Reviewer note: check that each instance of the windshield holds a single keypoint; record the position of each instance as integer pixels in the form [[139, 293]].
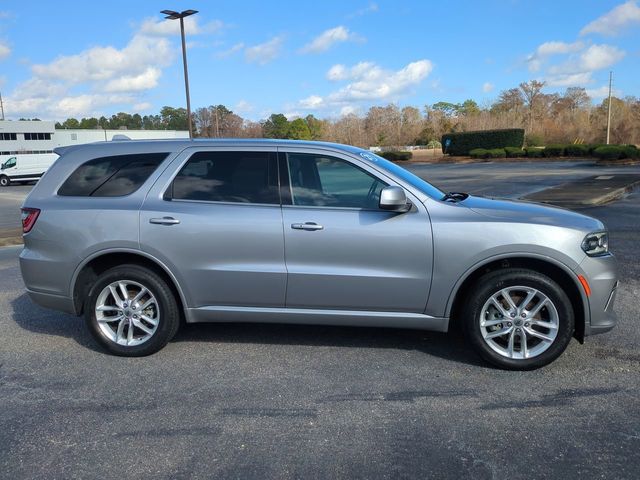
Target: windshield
[[404, 175]]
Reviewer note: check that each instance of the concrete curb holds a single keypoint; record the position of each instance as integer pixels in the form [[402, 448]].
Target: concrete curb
[[587, 192]]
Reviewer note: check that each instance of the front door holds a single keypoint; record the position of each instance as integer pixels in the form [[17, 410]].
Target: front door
[[342, 252], [217, 224]]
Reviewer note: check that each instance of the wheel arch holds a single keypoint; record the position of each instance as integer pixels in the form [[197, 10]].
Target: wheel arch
[[86, 273], [556, 270]]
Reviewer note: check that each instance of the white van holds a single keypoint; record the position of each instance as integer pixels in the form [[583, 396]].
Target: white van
[[24, 168]]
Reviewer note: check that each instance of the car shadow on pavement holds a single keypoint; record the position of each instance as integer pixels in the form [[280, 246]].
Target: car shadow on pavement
[[33, 318], [447, 346]]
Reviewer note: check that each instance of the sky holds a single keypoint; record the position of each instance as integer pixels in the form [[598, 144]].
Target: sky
[[328, 58]]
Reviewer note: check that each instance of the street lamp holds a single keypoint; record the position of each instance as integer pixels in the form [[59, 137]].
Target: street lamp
[[171, 15]]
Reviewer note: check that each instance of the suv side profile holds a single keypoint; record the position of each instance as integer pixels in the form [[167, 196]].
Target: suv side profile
[[139, 236]]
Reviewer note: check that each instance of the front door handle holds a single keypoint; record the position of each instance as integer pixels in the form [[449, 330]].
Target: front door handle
[[306, 226], [164, 221]]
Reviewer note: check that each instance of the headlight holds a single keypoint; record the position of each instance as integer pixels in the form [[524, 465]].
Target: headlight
[[596, 244]]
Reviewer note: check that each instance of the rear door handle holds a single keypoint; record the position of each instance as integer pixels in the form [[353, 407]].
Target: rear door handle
[[164, 221], [306, 226]]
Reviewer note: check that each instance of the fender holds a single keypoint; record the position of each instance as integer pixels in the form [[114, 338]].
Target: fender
[[107, 251]]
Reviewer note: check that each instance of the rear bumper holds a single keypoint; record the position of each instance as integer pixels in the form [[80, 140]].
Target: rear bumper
[[53, 302]]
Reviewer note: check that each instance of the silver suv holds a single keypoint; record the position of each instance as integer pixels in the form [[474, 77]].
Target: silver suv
[[141, 235]]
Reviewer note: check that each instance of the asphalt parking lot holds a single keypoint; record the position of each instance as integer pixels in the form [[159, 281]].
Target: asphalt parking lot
[[268, 401]]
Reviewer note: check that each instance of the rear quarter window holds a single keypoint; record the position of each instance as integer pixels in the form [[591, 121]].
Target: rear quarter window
[[113, 176]]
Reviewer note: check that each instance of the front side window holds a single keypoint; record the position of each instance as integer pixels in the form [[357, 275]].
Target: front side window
[[9, 163], [238, 177], [320, 180], [114, 176]]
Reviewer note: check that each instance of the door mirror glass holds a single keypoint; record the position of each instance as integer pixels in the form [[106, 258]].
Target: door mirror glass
[[394, 199]]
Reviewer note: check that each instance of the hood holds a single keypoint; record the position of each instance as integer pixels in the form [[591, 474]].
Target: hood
[[529, 212]]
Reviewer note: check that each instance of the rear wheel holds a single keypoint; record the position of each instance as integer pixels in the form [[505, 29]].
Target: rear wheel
[[518, 319], [131, 311], [4, 181]]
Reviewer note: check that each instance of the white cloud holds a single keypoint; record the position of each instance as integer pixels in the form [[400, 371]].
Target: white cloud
[[243, 107], [97, 78], [370, 82], [292, 115], [328, 39], [162, 28], [597, 57], [5, 51], [337, 72], [487, 87], [371, 8], [347, 110], [314, 101], [548, 49], [614, 21], [230, 51], [135, 83], [266, 52], [106, 63], [602, 92], [569, 79], [142, 107]]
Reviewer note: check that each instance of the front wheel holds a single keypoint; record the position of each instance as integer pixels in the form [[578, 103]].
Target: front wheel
[[131, 311], [518, 319], [4, 181]]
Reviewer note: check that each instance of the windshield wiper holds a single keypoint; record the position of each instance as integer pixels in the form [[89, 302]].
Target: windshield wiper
[[454, 197]]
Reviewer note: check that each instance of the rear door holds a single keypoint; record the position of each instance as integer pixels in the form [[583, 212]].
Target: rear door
[[342, 251], [214, 218]]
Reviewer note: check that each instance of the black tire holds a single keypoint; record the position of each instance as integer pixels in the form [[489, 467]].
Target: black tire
[[493, 282], [169, 314], [4, 181]]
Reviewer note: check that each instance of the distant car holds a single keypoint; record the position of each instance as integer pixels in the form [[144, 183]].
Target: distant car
[[140, 235], [25, 167]]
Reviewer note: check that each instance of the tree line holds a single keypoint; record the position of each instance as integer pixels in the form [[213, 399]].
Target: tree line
[[546, 117]]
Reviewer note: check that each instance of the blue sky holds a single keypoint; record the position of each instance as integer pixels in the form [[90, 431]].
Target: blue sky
[[329, 58]]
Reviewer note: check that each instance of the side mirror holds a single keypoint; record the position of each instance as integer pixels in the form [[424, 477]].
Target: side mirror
[[394, 199]]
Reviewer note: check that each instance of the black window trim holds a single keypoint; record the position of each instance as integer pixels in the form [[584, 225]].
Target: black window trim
[[167, 194]]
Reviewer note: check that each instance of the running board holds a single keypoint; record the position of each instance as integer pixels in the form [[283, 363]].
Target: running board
[[308, 316]]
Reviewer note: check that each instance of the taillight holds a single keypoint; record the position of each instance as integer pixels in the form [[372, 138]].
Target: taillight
[[29, 217]]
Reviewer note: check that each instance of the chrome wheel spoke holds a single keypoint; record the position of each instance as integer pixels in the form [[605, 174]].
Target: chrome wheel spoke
[[130, 332], [492, 323], [107, 308], [511, 344], [506, 294], [150, 320], [120, 331], [543, 301], [123, 290], [143, 327], [540, 335], [540, 323], [115, 295], [110, 319], [143, 291], [523, 344], [530, 296], [496, 303]]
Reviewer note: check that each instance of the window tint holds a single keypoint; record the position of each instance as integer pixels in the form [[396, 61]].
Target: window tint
[[318, 180], [9, 163], [243, 177], [111, 176]]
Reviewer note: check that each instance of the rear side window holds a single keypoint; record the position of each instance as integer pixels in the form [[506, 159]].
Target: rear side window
[[238, 177], [111, 176]]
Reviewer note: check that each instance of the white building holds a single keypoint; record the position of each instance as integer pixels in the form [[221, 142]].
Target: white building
[[29, 137]]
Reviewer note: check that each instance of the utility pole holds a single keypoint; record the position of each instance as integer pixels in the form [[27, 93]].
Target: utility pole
[[609, 109], [1, 106]]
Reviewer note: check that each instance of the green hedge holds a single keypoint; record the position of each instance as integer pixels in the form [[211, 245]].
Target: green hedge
[[397, 156], [631, 151], [553, 151], [609, 152], [534, 152], [575, 150], [514, 152], [463, 142], [479, 153], [497, 153]]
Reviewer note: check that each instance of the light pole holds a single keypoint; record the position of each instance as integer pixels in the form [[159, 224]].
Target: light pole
[[171, 15]]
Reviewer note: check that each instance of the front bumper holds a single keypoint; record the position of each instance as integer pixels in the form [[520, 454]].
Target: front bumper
[[602, 275]]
